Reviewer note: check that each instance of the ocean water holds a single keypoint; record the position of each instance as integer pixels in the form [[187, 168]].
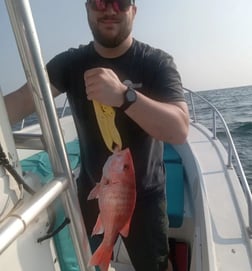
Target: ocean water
[[235, 104]]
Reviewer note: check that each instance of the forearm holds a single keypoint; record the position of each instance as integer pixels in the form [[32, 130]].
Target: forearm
[[164, 121], [19, 104]]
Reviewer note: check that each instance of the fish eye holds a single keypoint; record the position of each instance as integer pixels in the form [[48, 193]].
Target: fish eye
[[126, 166], [106, 182]]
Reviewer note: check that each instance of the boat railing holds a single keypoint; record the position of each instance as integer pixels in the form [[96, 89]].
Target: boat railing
[[63, 112], [62, 107], [233, 157], [29, 49]]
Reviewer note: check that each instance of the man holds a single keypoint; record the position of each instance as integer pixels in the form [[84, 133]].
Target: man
[[145, 89]]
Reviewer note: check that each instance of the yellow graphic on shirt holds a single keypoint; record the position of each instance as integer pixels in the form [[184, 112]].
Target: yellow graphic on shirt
[[105, 116]]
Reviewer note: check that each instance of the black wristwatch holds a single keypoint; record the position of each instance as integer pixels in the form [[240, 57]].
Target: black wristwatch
[[130, 97]]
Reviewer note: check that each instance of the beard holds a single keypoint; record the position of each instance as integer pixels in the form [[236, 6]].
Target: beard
[[110, 41]]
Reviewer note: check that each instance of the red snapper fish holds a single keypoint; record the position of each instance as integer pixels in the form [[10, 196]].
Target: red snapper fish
[[116, 195]]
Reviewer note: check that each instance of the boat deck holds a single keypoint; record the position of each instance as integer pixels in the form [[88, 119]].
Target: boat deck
[[218, 196]]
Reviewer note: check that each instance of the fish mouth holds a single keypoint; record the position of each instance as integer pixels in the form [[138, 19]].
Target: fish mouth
[[107, 181]]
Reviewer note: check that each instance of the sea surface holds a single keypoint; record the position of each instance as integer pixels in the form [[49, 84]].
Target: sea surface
[[235, 104]]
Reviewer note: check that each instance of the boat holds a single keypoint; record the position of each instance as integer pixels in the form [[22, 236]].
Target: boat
[[209, 199]]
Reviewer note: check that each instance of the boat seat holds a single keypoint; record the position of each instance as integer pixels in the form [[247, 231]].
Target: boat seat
[[174, 186], [171, 155], [39, 163]]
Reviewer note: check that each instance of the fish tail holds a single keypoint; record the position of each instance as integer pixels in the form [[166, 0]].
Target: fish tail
[[101, 257]]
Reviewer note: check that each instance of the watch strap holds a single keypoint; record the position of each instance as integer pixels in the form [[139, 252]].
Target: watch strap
[[126, 104]]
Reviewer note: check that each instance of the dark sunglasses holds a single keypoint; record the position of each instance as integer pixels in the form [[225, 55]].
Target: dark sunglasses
[[118, 5]]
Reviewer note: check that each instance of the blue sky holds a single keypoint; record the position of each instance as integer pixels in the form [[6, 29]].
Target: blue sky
[[210, 40]]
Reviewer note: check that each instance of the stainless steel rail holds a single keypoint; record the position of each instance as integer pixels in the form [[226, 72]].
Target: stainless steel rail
[[28, 44], [29, 141], [232, 152], [17, 222]]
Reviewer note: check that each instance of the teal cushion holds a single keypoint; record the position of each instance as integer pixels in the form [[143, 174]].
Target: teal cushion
[[170, 154], [175, 193], [40, 163]]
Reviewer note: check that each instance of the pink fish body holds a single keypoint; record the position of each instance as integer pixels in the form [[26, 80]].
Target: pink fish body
[[116, 195]]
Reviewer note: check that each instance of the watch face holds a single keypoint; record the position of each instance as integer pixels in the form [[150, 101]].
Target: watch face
[[131, 95]]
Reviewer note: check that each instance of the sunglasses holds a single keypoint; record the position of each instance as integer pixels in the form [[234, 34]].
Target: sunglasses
[[118, 5]]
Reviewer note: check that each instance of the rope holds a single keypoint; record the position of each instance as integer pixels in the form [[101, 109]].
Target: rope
[[6, 164]]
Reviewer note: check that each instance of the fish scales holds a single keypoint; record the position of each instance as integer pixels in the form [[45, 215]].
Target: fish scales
[[116, 195]]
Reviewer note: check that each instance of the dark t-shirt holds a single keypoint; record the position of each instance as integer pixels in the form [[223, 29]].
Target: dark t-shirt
[[149, 71]]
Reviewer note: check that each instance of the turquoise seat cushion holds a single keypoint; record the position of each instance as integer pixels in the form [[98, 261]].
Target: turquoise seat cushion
[[174, 185], [175, 193], [39, 163], [170, 154]]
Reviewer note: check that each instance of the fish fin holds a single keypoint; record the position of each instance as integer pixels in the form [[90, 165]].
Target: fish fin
[[94, 193], [98, 228], [101, 257], [125, 230]]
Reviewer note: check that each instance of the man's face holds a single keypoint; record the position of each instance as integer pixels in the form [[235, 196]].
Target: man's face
[[110, 27]]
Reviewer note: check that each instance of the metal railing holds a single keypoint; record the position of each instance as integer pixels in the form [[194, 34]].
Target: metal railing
[[29, 49], [19, 219], [231, 150]]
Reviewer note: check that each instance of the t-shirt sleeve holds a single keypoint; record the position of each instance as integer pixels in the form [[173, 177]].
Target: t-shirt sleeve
[[171, 80], [166, 82], [58, 69]]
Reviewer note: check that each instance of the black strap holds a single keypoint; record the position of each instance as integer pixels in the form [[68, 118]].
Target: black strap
[[6, 164], [51, 234]]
